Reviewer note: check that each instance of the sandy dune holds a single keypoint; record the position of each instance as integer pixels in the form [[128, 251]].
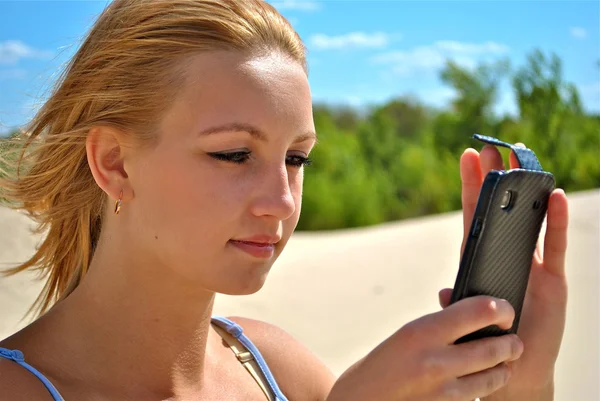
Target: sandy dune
[[341, 293]]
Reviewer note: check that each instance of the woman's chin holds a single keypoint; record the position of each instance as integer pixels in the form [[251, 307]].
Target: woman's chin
[[244, 284], [245, 288]]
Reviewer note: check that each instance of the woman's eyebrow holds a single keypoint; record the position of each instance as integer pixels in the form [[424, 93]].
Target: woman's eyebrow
[[306, 136], [254, 131]]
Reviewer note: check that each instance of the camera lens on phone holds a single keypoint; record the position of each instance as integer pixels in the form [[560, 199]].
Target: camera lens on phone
[[507, 199]]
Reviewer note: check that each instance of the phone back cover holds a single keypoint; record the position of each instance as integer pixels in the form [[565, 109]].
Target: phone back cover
[[502, 258]]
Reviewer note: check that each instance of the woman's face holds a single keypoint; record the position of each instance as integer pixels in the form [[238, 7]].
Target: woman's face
[[219, 196]]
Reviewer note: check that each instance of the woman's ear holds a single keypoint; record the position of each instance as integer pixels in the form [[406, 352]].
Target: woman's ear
[[105, 155]]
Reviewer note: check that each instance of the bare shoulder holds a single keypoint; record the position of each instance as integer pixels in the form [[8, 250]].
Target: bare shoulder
[[18, 384], [298, 371]]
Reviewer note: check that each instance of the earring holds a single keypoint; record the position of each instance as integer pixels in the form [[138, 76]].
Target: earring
[[118, 203]]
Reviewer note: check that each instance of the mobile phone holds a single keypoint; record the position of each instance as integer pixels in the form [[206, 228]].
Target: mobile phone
[[498, 254]]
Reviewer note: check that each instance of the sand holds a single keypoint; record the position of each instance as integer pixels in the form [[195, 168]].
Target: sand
[[343, 292]]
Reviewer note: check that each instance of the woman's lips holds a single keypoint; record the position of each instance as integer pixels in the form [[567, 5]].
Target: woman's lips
[[256, 249]]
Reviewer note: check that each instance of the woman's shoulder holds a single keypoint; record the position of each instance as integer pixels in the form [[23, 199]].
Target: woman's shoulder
[[18, 384], [16, 381], [298, 371]]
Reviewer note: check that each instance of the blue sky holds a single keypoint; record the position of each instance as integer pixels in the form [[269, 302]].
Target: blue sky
[[360, 52]]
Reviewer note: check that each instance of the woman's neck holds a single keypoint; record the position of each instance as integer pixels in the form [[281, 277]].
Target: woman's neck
[[131, 324]]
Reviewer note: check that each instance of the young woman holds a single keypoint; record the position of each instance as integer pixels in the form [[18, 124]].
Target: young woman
[[166, 167]]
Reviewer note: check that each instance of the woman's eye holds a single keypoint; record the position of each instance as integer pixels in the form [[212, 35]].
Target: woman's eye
[[243, 156], [298, 161], [232, 157]]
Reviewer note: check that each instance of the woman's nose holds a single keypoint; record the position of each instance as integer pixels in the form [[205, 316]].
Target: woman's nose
[[274, 194]]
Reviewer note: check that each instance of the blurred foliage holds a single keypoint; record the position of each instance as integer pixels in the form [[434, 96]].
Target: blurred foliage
[[401, 159], [9, 150]]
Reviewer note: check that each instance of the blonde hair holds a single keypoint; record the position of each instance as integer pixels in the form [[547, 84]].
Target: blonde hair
[[123, 75]]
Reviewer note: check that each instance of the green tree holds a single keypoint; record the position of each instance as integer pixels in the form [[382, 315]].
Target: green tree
[[472, 108], [553, 120]]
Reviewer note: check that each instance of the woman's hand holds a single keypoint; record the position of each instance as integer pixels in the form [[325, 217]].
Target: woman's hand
[[544, 310], [421, 362]]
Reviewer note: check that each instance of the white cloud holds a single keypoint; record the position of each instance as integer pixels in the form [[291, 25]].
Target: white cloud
[[578, 32], [12, 51], [471, 48], [422, 57], [296, 5], [432, 57], [352, 40]]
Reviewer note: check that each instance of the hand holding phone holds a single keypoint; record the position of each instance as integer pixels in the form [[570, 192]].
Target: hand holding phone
[[497, 257]]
